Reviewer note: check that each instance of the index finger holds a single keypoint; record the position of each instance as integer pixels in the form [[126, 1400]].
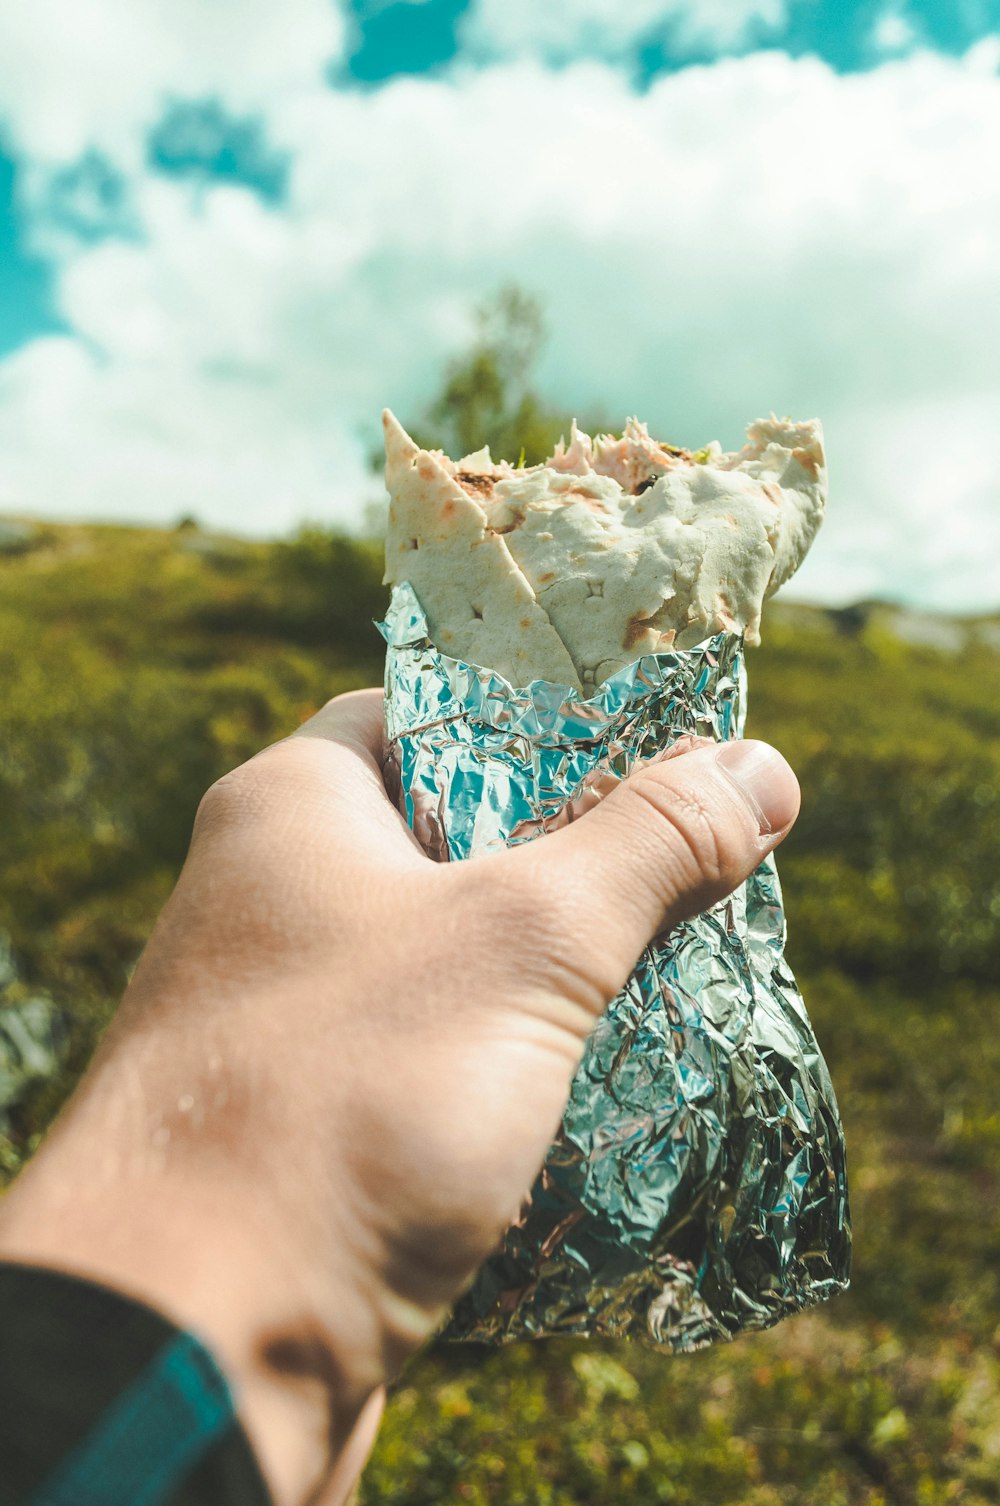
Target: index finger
[[356, 720], [348, 738]]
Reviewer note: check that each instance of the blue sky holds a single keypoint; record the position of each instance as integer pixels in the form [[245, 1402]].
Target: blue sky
[[403, 38], [230, 233], [26, 305]]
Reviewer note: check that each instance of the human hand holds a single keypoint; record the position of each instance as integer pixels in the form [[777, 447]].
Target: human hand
[[339, 1065]]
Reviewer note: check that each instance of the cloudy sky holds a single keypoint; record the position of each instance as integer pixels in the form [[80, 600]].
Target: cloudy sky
[[231, 231]]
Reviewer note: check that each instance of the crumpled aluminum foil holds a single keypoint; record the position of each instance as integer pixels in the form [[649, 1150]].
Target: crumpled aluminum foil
[[697, 1187]]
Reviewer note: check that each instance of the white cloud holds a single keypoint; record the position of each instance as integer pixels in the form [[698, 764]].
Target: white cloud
[[893, 32], [915, 506], [984, 56], [759, 233], [94, 73], [130, 441], [560, 30]]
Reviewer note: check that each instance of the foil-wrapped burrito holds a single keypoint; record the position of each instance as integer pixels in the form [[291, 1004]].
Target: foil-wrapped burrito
[[697, 1186]]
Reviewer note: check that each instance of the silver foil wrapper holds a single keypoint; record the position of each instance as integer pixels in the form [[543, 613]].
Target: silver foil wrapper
[[697, 1186]]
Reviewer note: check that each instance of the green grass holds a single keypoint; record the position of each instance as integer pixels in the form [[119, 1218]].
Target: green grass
[[138, 665]]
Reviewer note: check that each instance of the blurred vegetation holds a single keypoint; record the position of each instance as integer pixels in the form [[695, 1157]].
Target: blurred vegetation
[[488, 395], [137, 665]]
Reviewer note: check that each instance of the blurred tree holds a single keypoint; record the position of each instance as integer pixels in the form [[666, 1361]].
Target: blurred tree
[[488, 397], [318, 589]]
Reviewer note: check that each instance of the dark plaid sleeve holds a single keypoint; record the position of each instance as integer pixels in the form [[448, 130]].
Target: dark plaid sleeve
[[103, 1402]]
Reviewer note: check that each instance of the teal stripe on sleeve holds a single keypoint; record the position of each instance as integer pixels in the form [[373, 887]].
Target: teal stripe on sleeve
[[150, 1438]]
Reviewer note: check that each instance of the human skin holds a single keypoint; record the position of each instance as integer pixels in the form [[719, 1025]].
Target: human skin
[[338, 1066]]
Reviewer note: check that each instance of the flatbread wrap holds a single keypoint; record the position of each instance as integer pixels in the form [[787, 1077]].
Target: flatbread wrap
[[612, 549]]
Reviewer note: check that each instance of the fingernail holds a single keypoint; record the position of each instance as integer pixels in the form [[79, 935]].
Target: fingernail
[[765, 780]]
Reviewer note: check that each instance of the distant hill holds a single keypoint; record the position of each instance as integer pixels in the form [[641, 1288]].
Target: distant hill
[[950, 633], [52, 543]]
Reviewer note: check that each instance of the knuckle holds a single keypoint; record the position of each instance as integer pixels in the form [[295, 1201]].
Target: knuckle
[[220, 802], [234, 798], [691, 825]]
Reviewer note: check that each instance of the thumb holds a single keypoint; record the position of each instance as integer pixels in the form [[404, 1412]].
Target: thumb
[[672, 839]]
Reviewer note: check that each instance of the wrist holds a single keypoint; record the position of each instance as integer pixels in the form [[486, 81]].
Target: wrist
[[186, 1227]]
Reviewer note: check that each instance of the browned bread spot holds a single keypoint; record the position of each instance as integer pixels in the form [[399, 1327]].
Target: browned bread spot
[[472, 481]]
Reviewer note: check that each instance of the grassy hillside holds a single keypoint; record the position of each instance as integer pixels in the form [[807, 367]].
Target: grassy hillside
[[137, 665]]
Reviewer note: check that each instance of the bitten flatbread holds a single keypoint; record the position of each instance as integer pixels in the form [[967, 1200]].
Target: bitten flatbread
[[612, 549]]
